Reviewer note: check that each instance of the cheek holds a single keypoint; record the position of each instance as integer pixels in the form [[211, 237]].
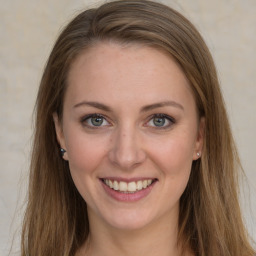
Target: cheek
[[174, 154], [84, 153], [175, 161]]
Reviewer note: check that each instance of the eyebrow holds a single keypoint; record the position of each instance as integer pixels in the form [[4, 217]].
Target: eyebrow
[[143, 109], [162, 104], [94, 104]]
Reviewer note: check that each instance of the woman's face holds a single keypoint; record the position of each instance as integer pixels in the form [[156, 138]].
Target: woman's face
[[131, 132]]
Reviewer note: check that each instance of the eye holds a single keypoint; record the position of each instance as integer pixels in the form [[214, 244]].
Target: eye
[[95, 120], [161, 121]]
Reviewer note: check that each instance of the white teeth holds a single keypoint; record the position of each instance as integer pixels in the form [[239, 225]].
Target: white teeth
[[123, 186], [116, 185], [110, 183], [129, 187], [144, 183], [139, 185], [132, 186]]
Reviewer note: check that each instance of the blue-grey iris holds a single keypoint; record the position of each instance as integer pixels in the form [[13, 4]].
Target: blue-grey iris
[[159, 121], [97, 121]]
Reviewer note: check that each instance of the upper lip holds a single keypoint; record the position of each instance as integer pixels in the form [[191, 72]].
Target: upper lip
[[128, 179]]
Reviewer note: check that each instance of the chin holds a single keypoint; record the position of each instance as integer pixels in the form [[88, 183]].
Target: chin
[[128, 220]]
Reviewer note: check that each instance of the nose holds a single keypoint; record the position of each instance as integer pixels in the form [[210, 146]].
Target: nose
[[126, 149]]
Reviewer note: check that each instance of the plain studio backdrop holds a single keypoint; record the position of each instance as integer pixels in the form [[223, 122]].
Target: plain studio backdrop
[[28, 30]]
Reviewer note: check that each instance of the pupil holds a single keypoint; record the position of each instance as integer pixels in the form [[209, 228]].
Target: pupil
[[97, 121], [159, 121]]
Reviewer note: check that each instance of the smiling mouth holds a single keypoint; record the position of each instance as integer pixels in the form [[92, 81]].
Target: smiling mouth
[[128, 187]]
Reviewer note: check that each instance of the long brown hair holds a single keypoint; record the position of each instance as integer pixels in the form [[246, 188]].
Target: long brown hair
[[210, 221]]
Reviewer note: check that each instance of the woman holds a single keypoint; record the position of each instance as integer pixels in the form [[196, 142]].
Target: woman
[[133, 153]]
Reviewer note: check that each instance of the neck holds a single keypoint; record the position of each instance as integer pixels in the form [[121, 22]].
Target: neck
[[159, 238]]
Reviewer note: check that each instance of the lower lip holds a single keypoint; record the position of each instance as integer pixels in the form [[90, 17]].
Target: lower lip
[[128, 197]]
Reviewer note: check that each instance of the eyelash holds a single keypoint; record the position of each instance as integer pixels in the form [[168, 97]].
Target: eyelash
[[86, 118], [170, 120]]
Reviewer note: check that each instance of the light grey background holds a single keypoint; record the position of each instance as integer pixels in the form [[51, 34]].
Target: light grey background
[[28, 30]]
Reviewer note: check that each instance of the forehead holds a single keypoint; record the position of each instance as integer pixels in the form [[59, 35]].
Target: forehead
[[132, 53], [112, 69]]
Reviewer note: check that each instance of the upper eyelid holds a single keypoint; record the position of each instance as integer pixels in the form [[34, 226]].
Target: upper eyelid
[[86, 117], [161, 115], [83, 118]]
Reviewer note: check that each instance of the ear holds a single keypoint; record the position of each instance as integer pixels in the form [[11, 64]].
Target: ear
[[60, 135], [200, 139]]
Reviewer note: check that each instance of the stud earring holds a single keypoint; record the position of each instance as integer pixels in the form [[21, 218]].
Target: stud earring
[[198, 154], [62, 151]]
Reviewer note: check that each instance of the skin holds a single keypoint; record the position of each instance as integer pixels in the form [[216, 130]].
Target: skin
[[132, 82]]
